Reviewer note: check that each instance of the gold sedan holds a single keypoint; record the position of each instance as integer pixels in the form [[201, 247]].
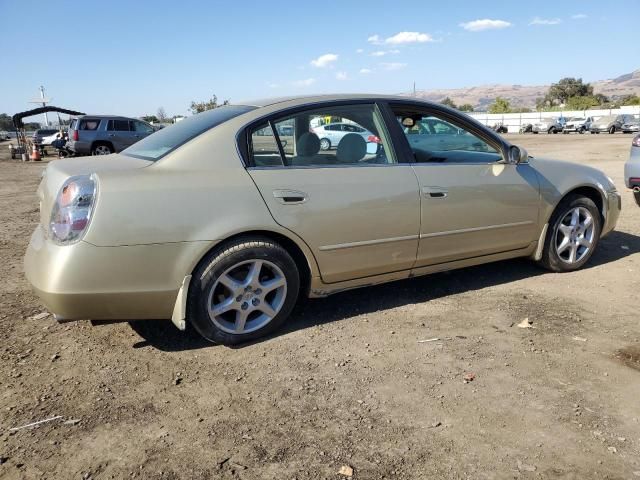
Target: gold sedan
[[226, 219]]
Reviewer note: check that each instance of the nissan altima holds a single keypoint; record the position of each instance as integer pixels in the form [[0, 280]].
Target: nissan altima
[[226, 219]]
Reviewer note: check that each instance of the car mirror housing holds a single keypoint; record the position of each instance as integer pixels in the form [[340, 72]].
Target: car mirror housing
[[518, 155]]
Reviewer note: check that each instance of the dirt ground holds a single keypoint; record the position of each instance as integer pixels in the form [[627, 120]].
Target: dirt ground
[[348, 383]]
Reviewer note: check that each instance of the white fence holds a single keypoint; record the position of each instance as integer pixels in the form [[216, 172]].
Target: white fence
[[513, 121]]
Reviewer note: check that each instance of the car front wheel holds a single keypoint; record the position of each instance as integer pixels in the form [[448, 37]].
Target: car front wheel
[[243, 290], [612, 130], [325, 144], [573, 234]]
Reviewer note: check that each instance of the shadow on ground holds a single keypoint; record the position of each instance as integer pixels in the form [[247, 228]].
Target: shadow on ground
[[164, 336]]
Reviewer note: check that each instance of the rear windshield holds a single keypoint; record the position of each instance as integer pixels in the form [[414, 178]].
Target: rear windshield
[[158, 144]]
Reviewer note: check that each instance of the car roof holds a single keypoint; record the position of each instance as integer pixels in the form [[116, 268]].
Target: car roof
[[117, 117], [306, 99]]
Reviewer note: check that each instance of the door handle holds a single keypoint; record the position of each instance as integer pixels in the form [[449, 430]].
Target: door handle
[[435, 192], [290, 197]]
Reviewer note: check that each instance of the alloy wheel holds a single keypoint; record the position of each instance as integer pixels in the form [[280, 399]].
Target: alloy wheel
[[247, 296], [102, 150], [574, 235]]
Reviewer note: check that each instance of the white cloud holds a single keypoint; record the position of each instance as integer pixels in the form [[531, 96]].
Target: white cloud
[[304, 83], [360, 50], [545, 21], [379, 53], [393, 65], [274, 85], [375, 39], [485, 24], [408, 37], [578, 16], [324, 60], [341, 76], [365, 71]]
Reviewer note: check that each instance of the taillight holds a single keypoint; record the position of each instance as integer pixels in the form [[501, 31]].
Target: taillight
[[72, 210], [373, 139], [76, 136], [636, 141]]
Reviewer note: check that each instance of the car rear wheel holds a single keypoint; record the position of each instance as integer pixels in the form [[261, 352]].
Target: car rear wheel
[[242, 291], [573, 234], [612, 130], [325, 144], [101, 149]]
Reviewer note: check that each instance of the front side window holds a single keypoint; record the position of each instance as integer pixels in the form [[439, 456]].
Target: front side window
[[301, 140], [437, 140], [141, 127]]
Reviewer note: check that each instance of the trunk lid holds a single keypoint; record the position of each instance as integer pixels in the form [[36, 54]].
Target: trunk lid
[[59, 170]]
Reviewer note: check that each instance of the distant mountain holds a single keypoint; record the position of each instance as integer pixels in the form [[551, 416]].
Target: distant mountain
[[525, 95]]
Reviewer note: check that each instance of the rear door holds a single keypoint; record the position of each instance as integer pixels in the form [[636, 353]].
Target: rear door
[[359, 212], [119, 134]]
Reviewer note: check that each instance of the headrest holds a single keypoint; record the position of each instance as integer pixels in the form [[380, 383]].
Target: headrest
[[351, 149], [308, 144]]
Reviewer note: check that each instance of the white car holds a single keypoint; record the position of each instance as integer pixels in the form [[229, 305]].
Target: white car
[[4, 135], [548, 125], [577, 124], [331, 134], [49, 139]]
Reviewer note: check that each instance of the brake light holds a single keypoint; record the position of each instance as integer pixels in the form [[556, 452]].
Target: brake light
[[72, 209], [373, 139], [634, 181], [636, 141], [76, 136]]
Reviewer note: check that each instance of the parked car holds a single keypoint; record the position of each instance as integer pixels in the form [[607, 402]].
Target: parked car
[[331, 134], [548, 125], [204, 226], [577, 124], [631, 125], [39, 135], [4, 135], [632, 169], [500, 128], [611, 123], [105, 134], [49, 139]]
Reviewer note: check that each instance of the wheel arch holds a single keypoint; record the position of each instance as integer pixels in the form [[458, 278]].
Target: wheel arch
[[592, 192]]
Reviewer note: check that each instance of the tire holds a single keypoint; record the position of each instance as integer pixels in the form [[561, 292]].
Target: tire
[[325, 144], [558, 262], [636, 195], [612, 130], [101, 149], [535, 133], [232, 264], [581, 131]]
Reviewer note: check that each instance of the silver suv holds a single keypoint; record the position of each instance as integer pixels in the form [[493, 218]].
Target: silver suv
[[105, 134]]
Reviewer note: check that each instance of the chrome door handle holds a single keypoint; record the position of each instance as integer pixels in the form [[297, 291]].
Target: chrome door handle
[[435, 192], [290, 197]]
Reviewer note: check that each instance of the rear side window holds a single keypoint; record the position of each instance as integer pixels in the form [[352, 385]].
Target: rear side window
[[264, 147], [158, 144], [89, 124], [118, 125]]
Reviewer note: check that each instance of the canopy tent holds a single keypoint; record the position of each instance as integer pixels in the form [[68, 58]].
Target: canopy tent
[[17, 118]]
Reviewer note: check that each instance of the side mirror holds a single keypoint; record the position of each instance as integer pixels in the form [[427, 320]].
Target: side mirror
[[518, 155]]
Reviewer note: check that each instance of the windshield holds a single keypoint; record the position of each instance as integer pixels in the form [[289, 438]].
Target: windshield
[[608, 119], [158, 144], [576, 119]]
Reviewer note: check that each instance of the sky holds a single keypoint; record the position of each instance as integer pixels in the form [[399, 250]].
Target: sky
[[132, 57]]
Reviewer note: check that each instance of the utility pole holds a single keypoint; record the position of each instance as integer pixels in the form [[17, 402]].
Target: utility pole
[[43, 101], [414, 88]]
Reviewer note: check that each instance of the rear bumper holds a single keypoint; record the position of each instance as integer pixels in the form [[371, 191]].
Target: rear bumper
[[632, 167], [82, 281]]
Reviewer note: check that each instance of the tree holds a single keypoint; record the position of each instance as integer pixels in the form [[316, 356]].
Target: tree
[[629, 100], [162, 115], [567, 88], [467, 107], [582, 103], [150, 118], [448, 102], [199, 107], [6, 122], [500, 105]]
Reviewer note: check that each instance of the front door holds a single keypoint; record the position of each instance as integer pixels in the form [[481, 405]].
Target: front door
[[473, 202], [120, 134], [358, 211]]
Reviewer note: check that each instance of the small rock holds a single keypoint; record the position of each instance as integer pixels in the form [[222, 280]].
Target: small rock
[[177, 381], [346, 471], [72, 421], [622, 439], [526, 468], [436, 424], [612, 449], [526, 323], [469, 377], [392, 332], [3, 460], [54, 357], [39, 316]]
